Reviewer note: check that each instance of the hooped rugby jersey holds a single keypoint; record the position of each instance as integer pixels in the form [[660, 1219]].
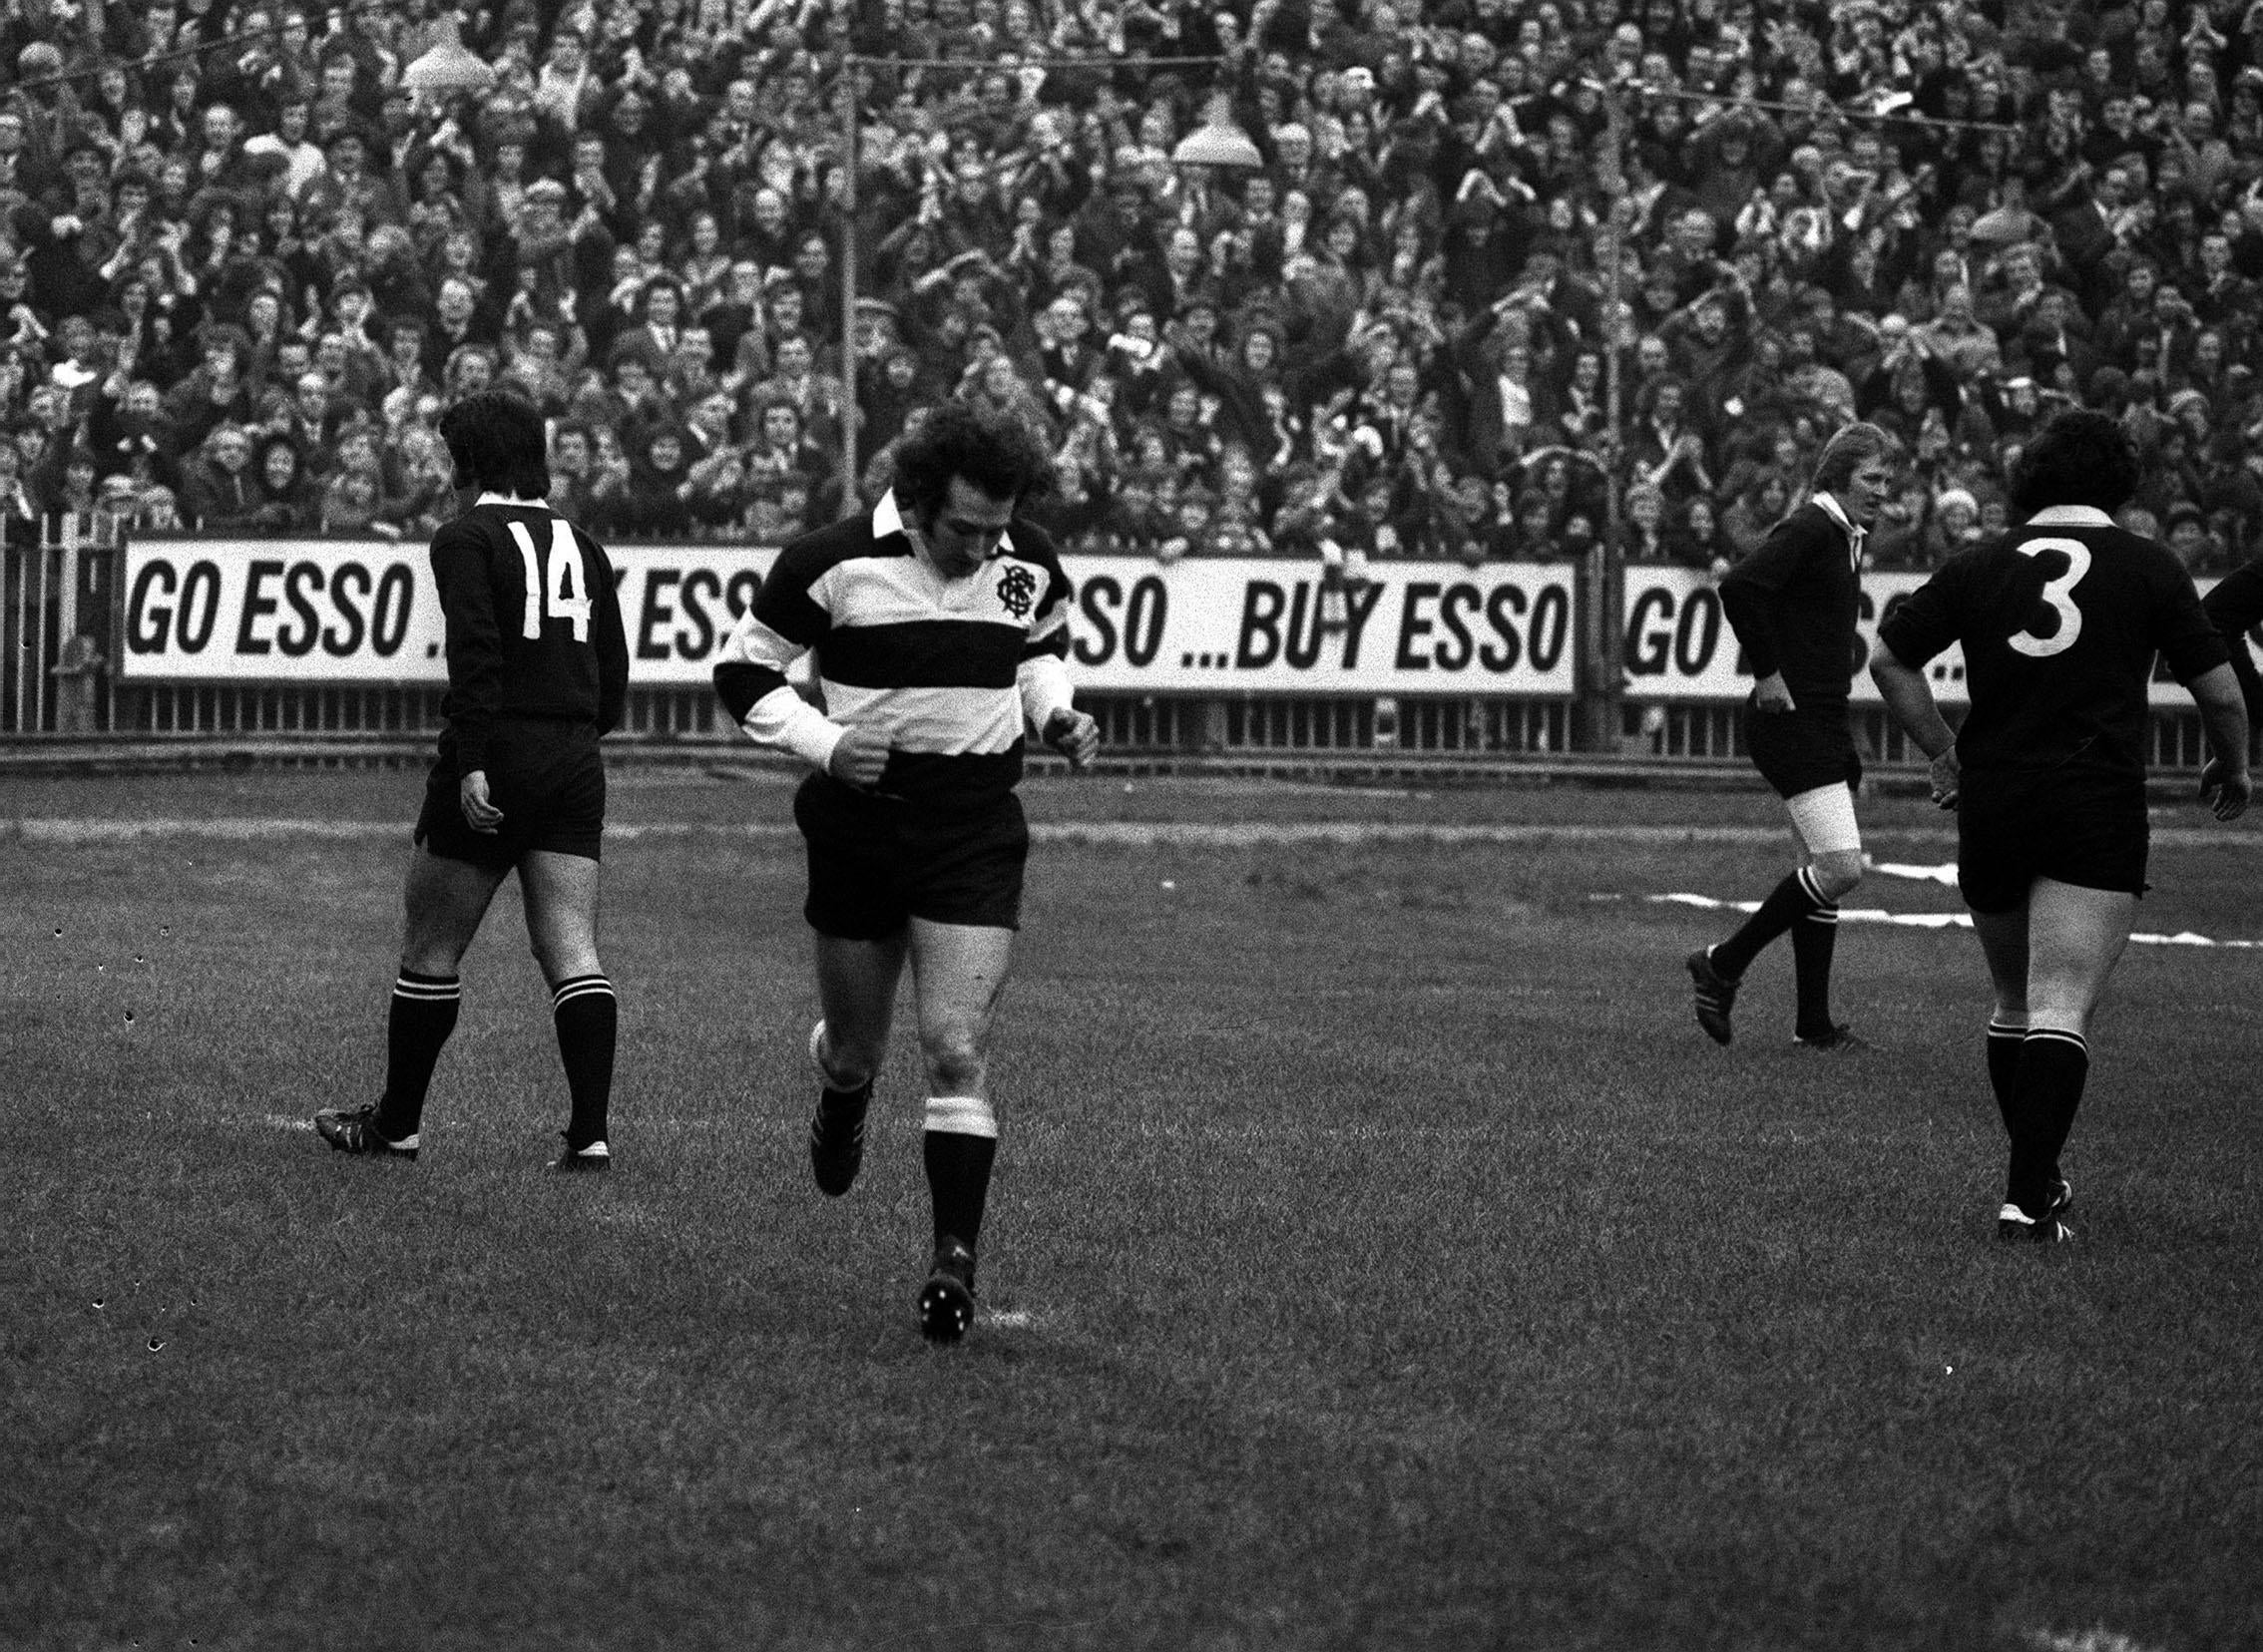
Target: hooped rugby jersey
[[2060, 622], [533, 625], [950, 668]]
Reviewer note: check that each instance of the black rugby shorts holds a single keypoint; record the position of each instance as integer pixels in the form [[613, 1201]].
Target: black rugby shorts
[[548, 778], [875, 862], [2013, 828], [1798, 750]]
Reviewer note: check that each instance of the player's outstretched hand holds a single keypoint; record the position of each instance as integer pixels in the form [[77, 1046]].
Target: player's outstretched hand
[[479, 813], [1075, 734], [1946, 774], [860, 757], [2224, 789]]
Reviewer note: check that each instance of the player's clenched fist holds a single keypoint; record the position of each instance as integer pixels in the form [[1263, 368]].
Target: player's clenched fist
[[860, 757], [2225, 791], [1075, 734]]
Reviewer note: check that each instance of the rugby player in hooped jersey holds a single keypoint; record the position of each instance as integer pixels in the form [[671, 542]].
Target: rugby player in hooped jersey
[[940, 624], [538, 671], [2060, 622]]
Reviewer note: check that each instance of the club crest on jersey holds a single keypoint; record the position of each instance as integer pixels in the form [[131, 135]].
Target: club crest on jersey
[[1017, 590]]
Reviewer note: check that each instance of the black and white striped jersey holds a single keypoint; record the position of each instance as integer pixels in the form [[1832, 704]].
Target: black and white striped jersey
[[952, 669]]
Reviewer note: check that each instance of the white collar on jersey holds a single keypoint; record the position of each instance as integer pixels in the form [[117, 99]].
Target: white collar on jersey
[[2072, 516], [491, 497], [1831, 508], [888, 518]]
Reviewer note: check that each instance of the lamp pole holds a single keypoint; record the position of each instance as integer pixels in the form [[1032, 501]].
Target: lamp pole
[[849, 413], [1602, 679]]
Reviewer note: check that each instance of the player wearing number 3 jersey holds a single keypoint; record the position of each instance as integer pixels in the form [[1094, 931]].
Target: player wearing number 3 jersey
[[537, 671], [2060, 622]]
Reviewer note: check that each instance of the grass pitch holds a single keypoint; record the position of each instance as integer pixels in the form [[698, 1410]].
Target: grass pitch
[[1379, 1258]]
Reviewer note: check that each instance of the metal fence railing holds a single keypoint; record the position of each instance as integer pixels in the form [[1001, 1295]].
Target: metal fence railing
[[56, 589]]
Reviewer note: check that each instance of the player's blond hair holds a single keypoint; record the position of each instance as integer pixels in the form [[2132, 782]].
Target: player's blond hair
[[1853, 446]]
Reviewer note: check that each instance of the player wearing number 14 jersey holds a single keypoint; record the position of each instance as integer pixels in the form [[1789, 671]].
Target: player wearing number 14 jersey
[[537, 671], [2060, 622]]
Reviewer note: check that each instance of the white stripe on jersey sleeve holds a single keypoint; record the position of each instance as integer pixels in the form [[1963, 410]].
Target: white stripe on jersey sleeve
[[751, 642], [781, 719], [935, 721], [1045, 686]]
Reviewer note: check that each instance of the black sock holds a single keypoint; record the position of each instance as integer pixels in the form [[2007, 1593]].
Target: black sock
[[2003, 1040], [417, 1024], [1786, 905], [958, 1176], [2053, 1064], [846, 1104], [587, 1017], [1814, 937]]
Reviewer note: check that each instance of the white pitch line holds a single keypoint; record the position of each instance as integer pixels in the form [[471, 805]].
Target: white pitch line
[[1124, 834], [1936, 921], [2100, 1639]]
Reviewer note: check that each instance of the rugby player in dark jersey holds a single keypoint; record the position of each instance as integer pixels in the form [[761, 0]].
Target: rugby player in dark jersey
[[939, 621], [2060, 622], [1793, 604], [2235, 607], [538, 670]]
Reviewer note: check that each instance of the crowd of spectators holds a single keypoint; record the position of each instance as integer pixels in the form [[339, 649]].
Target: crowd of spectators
[[242, 265]]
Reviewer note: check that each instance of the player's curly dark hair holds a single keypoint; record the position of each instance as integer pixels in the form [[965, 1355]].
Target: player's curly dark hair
[[991, 449], [2081, 457], [496, 439]]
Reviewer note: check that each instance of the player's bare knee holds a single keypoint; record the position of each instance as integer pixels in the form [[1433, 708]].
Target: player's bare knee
[[1838, 872], [431, 960], [954, 1061], [562, 958], [431, 948], [848, 1063]]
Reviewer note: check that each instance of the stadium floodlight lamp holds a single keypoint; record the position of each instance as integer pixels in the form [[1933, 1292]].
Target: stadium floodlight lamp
[[1218, 142], [449, 69]]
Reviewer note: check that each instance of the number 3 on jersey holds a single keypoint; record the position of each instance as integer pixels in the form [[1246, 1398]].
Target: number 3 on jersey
[[558, 587], [2059, 592]]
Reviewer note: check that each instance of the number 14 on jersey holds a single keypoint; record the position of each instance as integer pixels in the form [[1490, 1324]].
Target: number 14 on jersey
[[557, 584]]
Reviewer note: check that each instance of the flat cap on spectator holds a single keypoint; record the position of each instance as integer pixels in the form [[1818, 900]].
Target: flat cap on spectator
[[546, 188], [2003, 226]]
